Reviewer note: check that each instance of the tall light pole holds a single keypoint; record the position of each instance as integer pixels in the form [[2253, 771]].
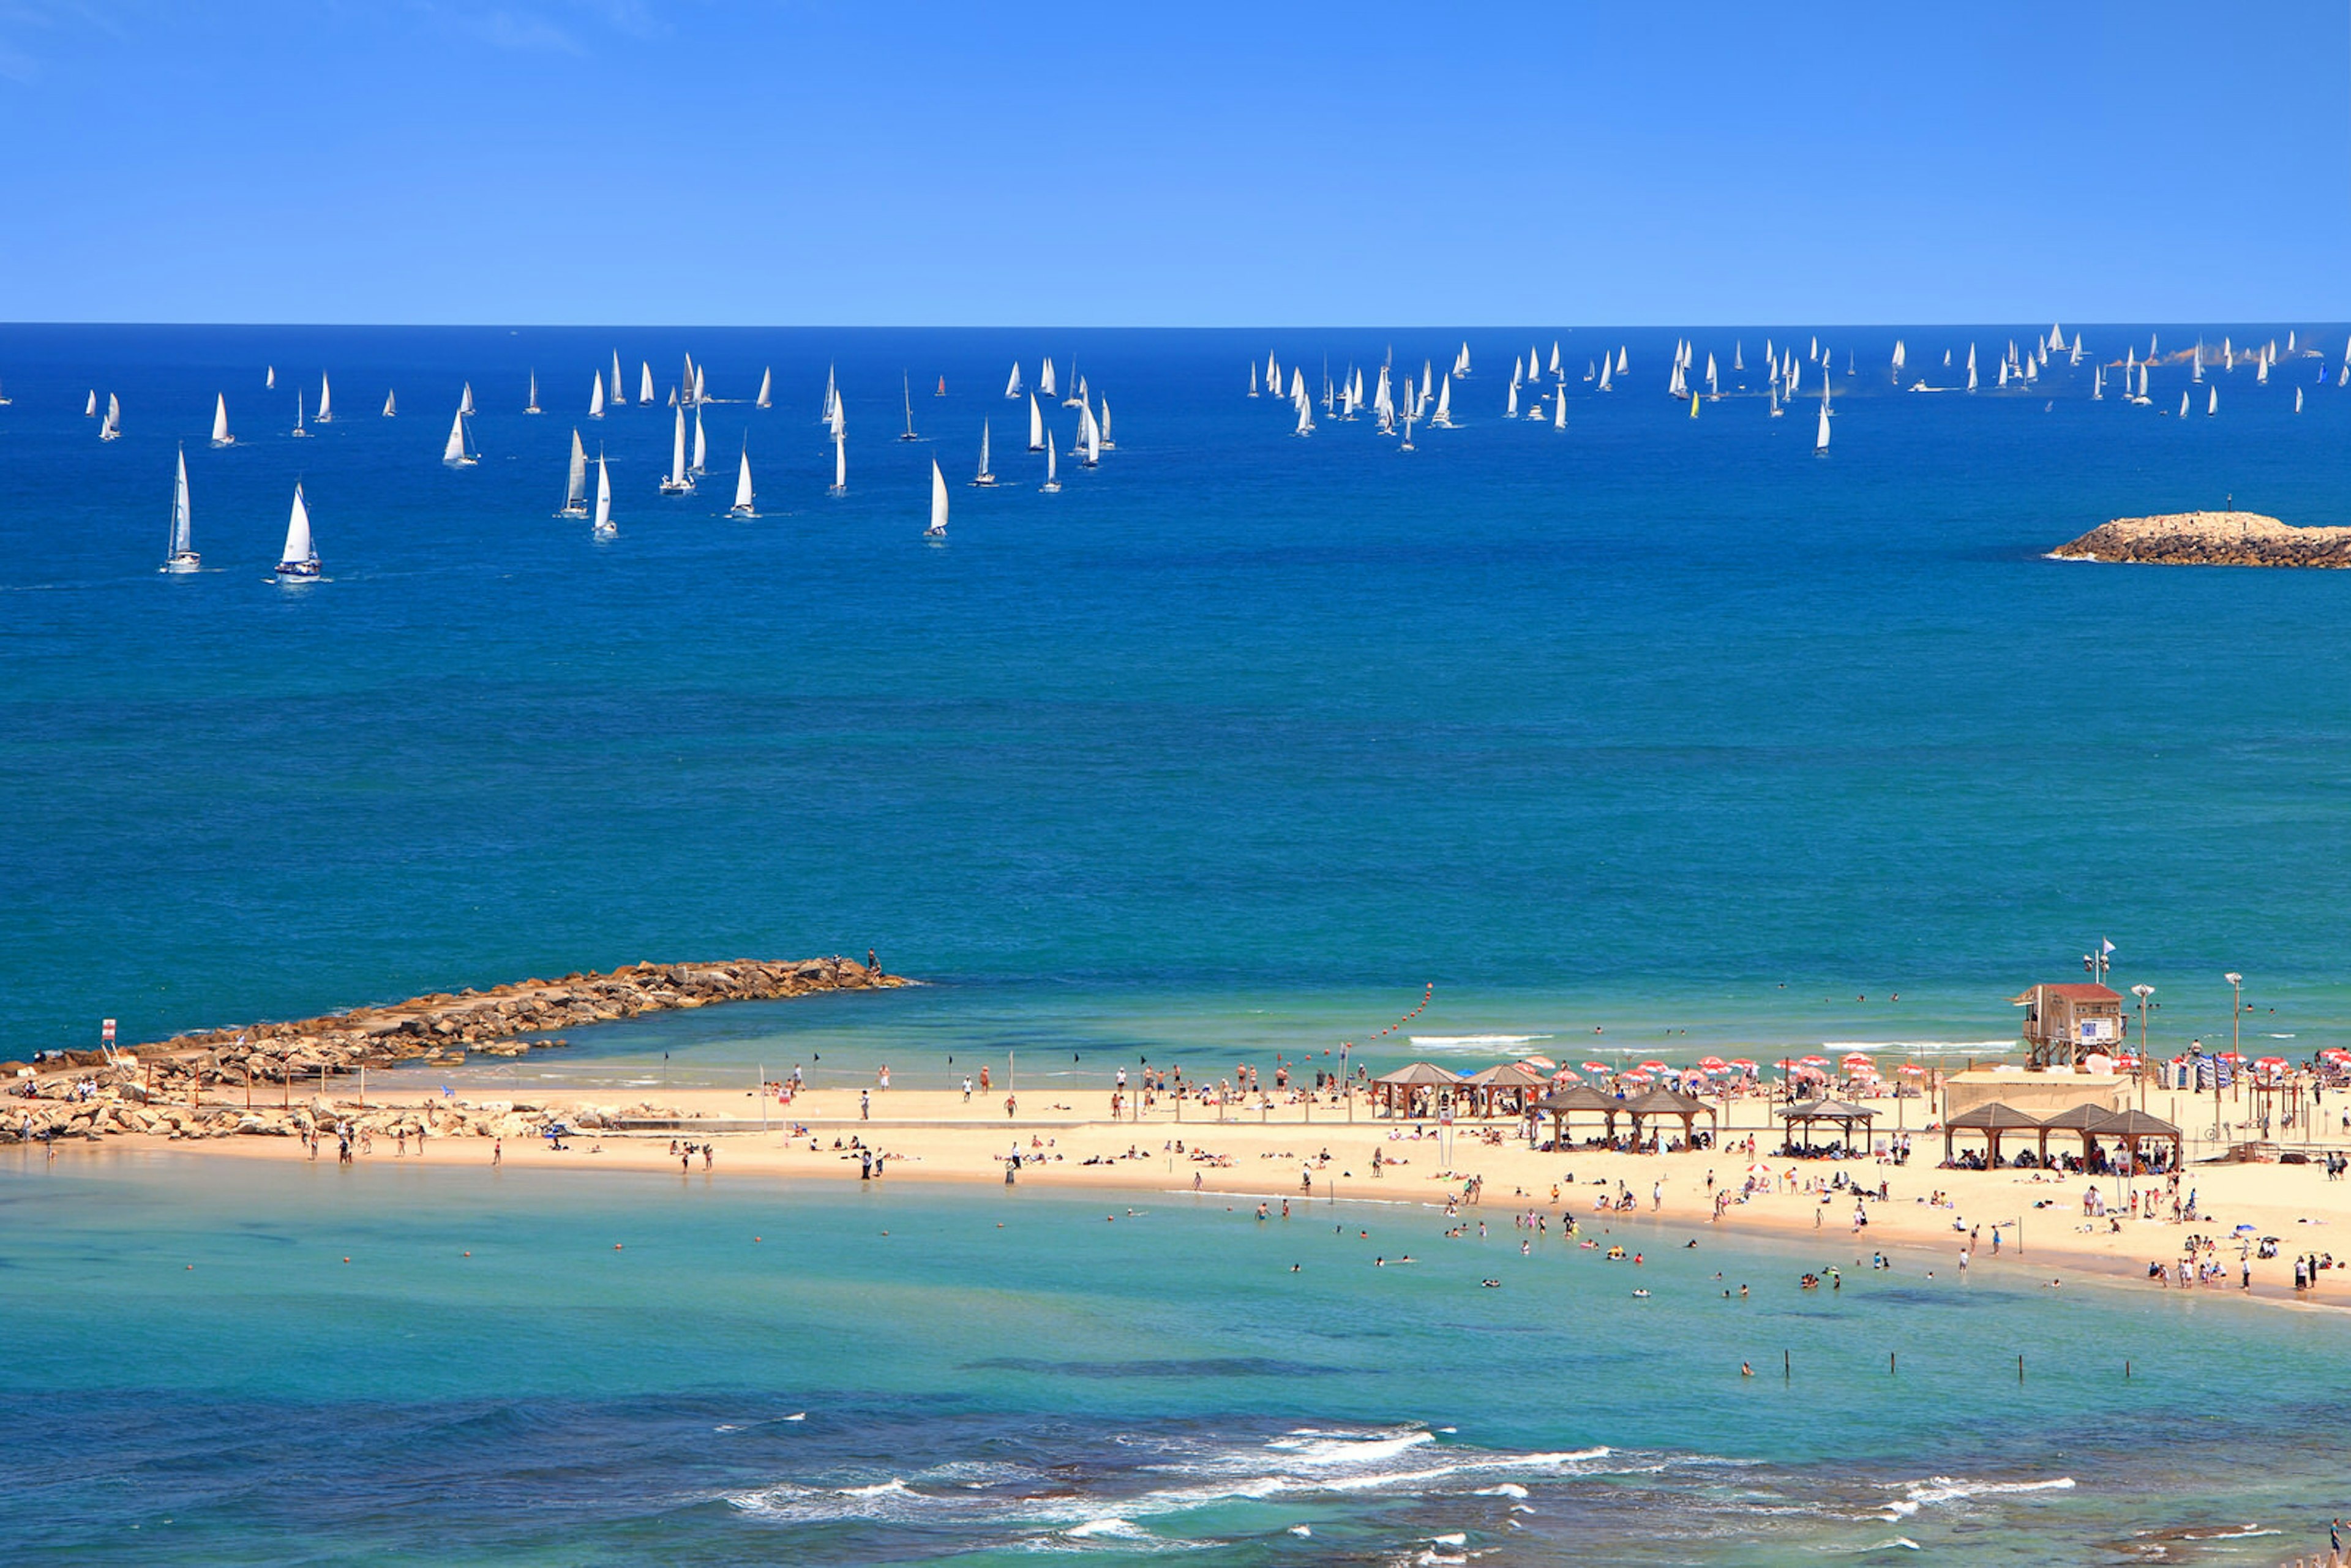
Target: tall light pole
[[2236, 1038], [2146, 1057]]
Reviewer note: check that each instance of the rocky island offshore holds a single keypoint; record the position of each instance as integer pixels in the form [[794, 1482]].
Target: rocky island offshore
[[2209, 539], [156, 1087]]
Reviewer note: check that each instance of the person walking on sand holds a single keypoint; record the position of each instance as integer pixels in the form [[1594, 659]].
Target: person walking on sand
[[1011, 1103], [864, 1104], [497, 1153]]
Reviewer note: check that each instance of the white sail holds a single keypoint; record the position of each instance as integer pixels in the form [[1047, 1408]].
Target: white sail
[[618, 395], [906, 391], [678, 481], [530, 403], [983, 476], [2197, 361], [1624, 360], [1443, 418], [742, 507], [1555, 356], [1305, 421], [2183, 403], [1093, 431], [1512, 411], [1820, 441], [269, 379], [701, 445], [1107, 444], [297, 413], [840, 464], [1897, 358], [1972, 366], [89, 405], [1052, 480], [1712, 387], [701, 388], [938, 528], [596, 398], [453, 452], [392, 405], [1045, 379], [113, 425], [1037, 423], [644, 380], [464, 400], [839, 420], [300, 550], [575, 481], [325, 414], [767, 388], [181, 555], [1607, 368], [603, 523], [1559, 408], [1252, 391], [2212, 400], [2297, 400], [1012, 387], [220, 437], [1461, 361]]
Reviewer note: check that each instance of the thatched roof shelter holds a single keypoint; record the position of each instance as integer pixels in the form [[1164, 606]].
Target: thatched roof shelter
[[1992, 1119]]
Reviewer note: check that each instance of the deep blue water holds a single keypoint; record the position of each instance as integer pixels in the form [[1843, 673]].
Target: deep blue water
[[1657, 721]]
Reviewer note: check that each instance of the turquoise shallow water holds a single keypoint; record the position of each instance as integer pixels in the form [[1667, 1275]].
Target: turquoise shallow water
[[923, 1375]]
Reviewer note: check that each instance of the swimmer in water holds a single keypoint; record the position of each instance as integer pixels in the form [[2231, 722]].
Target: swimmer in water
[[1745, 1369]]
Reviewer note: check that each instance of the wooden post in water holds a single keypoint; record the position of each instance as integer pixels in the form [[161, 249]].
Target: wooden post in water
[[2020, 1368], [1889, 1364], [1787, 1367]]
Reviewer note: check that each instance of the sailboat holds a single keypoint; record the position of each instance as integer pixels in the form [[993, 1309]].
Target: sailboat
[[1972, 366], [1693, 405], [1037, 425], [1512, 411], [596, 398], [983, 479], [1093, 431], [832, 390], [1897, 360], [2297, 400], [269, 379], [1077, 399], [297, 414], [112, 429], [1820, 441], [1252, 391], [1053, 484], [464, 400], [701, 388], [840, 465], [1305, 421], [1559, 408], [453, 452], [392, 405], [220, 437], [767, 388], [89, 405], [1443, 418], [644, 381], [701, 445], [1012, 387], [603, 528], [1107, 444], [2183, 404], [181, 555], [678, 481], [1045, 379], [530, 403], [575, 481], [299, 560], [325, 414], [2212, 400], [906, 386], [1461, 362], [742, 506], [938, 528]]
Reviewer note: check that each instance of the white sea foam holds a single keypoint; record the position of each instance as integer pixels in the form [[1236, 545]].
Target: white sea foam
[[1508, 1489], [1944, 1488], [1457, 1538], [1122, 1529], [1475, 1042]]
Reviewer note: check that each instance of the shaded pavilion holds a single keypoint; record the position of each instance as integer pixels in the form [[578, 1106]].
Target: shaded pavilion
[[2138, 1128], [1809, 1114], [1394, 1092], [1992, 1119], [1512, 1083], [2091, 1122], [1566, 1102], [1663, 1101]]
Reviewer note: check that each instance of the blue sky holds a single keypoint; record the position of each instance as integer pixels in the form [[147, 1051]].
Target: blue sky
[[731, 161]]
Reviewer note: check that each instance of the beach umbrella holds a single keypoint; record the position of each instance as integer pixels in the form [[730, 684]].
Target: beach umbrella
[[2270, 1061], [1787, 1064], [1859, 1059], [1712, 1063], [1653, 1066], [2230, 1056], [1758, 1170], [1567, 1075], [1741, 1063], [1635, 1076], [1816, 1062], [1596, 1067], [1540, 1064], [2125, 1060], [1911, 1069]]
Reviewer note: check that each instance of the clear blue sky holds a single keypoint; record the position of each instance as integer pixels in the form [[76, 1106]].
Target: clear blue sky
[[731, 161]]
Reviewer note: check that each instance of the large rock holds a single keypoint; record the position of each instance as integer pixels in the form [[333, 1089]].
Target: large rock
[[2211, 539]]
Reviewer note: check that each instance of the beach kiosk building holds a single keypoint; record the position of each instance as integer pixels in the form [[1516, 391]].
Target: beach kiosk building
[[2064, 1024]]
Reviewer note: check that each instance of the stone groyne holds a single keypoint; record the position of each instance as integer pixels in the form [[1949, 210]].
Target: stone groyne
[[2211, 539], [158, 1087]]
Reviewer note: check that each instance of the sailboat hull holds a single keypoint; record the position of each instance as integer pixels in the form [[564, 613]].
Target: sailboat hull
[[296, 571], [186, 561]]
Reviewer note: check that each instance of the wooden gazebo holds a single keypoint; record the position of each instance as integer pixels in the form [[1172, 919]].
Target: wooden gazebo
[[1664, 1102], [1565, 1102], [1992, 1119], [1513, 1084], [2092, 1122], [1394, 1092], [2134, 1128], [1809, 1113]]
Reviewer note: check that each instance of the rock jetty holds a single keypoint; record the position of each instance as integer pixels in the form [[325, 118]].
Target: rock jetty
[[158, 1087], [2211, 539]]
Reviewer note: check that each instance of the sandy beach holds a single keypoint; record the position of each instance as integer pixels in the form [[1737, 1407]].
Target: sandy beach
[[1067, 1142]]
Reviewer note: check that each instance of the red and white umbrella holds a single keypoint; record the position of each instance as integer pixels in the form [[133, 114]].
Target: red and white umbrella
[[2270, 1061], [1540, 1064], [1816, 1062], [1654, 1066], [2230, 1056], [1911, 1069], [1787, 1064], [1740, 1063], [1596, 1067], [1758, 1170], [1635, 1076], [1710, 1063], [1567, 1075]]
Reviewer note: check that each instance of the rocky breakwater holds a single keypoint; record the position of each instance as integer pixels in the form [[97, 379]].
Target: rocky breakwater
[[160, 1087], [2211, 539]]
